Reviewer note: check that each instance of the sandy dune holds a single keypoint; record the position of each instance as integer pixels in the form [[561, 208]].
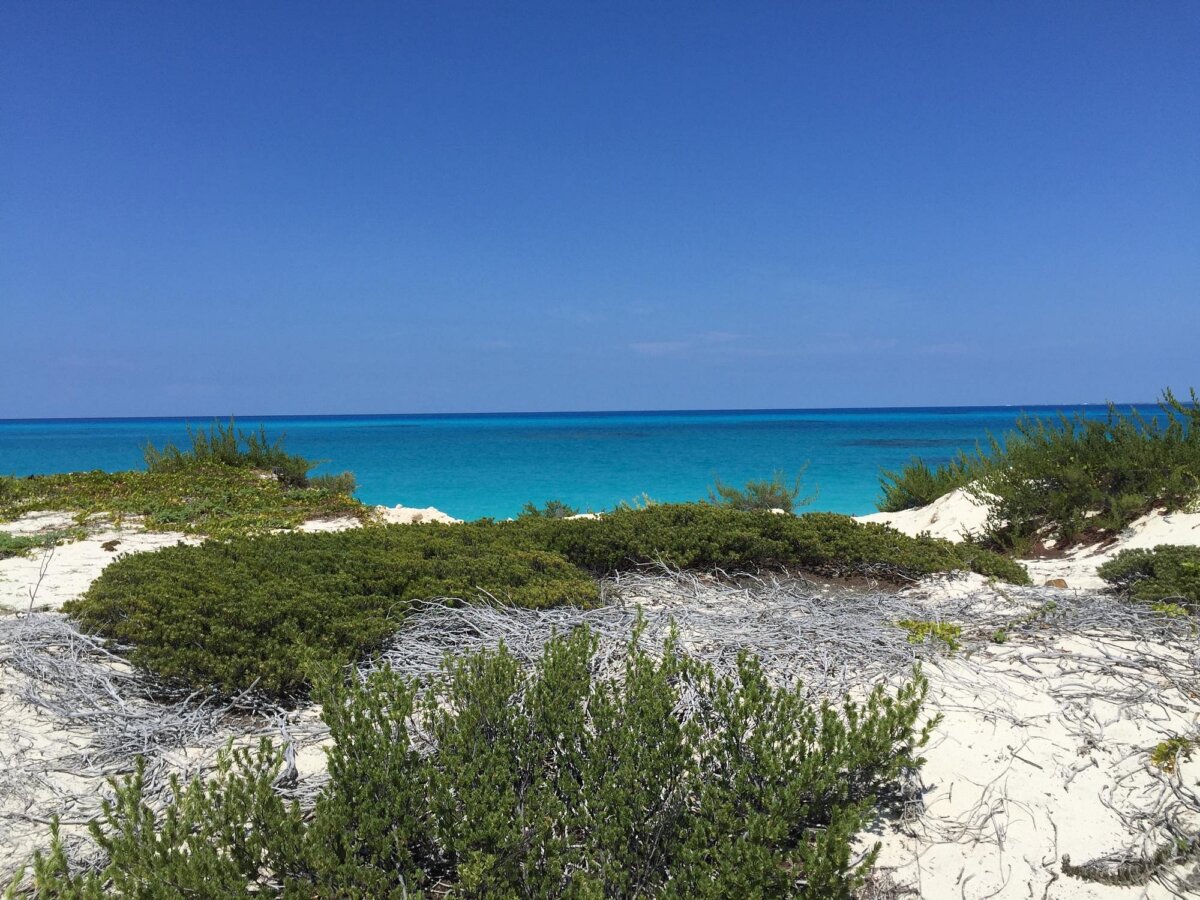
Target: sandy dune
[[1042, 753]]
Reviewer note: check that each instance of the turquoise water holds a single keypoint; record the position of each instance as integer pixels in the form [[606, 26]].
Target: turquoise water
[[489, 465]]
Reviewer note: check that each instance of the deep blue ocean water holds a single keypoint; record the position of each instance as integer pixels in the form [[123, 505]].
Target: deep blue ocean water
[[489, 465]]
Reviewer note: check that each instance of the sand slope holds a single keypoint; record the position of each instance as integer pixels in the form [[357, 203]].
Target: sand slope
[[952, 517], [958, 515]]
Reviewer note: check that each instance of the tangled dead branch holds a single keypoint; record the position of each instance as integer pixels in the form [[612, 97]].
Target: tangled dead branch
[[80, 714]]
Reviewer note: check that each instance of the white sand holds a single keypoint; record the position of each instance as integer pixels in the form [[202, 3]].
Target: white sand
[[384, 515], [958, 515], [1027, 765], [406, 515], [59, 574], [1078, 568], [1031, 761], [953, 517]]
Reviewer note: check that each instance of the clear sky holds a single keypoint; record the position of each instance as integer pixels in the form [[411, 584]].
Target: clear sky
[[257, 208]]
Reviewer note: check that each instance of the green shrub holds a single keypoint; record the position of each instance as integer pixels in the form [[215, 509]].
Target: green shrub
[[762, 495], [20, 544], [226, 445], [212, 500], [551, 509], [1164, 573], [1166, 754], [702, 536], [342, 483], [550, 783], [1063, 478], [918, 485], [264, 611]]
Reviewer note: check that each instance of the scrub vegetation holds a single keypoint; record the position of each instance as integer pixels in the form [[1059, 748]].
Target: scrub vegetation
[[265, 612], [227, 483], [777, 493], [922, 630], [1061, 479], [494, 781], [1167, 574]]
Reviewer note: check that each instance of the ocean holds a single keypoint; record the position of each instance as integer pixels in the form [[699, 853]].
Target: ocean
[[472, 466]]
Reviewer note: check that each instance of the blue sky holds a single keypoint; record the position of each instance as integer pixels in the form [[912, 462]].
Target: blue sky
[[316, 208]]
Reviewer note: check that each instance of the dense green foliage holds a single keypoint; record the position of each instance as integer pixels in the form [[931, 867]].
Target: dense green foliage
[[551, 509], [550, 783], [1164, 573], [212, 500], [702, 536], [264, 610], [229, 446], [1061, 479], [765, 495], [919, 485]]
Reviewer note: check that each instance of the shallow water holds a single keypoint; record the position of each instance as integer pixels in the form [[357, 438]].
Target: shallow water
[[489, 465]]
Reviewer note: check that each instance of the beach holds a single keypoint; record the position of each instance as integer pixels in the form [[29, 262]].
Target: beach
[[1039, 761]]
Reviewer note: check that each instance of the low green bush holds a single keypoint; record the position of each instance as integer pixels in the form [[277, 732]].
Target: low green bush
[[229, 446], [702, 536], [1167, 754], [765, 495], [1067, 477], [263, 611], [916, 484], [552, 783], [922, 630], [212, 500], [551, 509], [1165, 573], [22, 544]]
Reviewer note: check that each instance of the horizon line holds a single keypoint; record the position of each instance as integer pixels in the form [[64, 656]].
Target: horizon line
[[575, 412]]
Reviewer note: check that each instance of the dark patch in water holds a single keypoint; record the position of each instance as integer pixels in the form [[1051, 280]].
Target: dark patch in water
[[910, 442]]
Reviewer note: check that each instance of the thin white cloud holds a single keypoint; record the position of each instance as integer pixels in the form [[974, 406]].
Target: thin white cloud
[[705, 344], [658, 349]]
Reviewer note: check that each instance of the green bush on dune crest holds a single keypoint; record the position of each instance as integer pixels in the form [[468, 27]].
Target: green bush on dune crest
[[765, 495], [228, 446], [550, 783], [228, 483], [918, 485], [214, 501], [264, 611], [1166, 573], [1061, 479]]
